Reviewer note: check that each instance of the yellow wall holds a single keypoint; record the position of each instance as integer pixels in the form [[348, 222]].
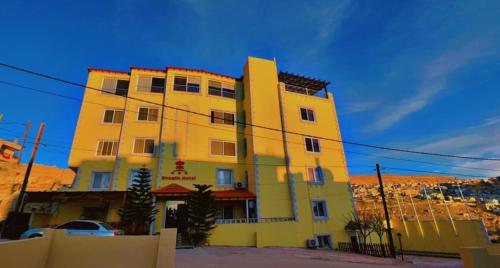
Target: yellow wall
[[470, 234], [261, 100], [57, 249], [476, 257]]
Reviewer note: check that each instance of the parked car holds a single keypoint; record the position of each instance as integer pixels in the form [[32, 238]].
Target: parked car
[[78, 227]]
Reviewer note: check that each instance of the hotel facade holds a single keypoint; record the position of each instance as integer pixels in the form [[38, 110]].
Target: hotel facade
[[267, 142]]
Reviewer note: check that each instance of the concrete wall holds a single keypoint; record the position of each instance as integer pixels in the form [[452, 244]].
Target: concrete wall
[[57, 249], [475, 257], [469, 234]]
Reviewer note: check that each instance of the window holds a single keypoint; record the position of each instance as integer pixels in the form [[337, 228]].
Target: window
[[115, 86], [144, 146], [312, 145], [113, 116], [307, 114], [315, 175], [101, 180], [107, 148], [223, 148], [148, 114], [225, 212], [225, 118], [79, 225], [324, 241], [224, 177], [221, 89], [187, 84], [133, 175], [319, 210], [151, 84]]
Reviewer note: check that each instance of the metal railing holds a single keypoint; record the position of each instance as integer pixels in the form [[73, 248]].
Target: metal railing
[[253, 220]]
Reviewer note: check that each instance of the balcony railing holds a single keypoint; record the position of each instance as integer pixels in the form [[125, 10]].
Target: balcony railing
[[253, 220], [303, 90]]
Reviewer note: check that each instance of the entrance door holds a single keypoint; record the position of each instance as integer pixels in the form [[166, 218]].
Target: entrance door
[[176, 216]]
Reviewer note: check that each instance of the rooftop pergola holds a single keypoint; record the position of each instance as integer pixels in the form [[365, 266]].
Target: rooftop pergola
[[312, 85]]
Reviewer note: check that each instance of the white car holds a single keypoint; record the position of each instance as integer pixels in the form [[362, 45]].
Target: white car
[[78, 227]]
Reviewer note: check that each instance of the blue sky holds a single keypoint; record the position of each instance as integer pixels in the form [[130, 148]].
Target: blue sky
[[420, 75]]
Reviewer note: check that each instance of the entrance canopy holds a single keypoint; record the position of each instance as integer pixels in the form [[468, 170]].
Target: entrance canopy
[[176, 190]]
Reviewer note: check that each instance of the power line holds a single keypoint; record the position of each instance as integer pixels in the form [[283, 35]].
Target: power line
[[249, 124], [436, 172], [232, 131]]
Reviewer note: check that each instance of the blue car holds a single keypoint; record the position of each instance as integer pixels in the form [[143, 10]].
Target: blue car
[[79, 227]]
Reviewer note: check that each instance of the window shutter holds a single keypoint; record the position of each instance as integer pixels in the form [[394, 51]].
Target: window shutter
[[109, 85], [144, 84]]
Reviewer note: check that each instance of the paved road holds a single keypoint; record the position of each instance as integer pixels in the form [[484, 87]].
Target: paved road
[[231, 257]]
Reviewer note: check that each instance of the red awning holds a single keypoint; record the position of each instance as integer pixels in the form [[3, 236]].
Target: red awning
[[178, 190], [171, 190], [234, 195]]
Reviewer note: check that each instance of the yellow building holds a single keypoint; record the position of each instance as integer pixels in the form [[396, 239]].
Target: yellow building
[[252, 138]]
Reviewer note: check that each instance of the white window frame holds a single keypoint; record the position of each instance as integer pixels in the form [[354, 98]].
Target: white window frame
[[319, 218], [307, 120], [115, 143], [115, 79], [223, 85], [222, 155], [147, 120], [92, 178], [144, 138], [114, 115], [217, 179], [312, 143], [316, 180], [330, 240], [223, 115], [187, 84], [150, 84]]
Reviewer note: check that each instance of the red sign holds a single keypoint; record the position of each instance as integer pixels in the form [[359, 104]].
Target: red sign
[[179, 170]]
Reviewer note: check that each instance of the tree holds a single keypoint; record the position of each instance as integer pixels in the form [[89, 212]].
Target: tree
[[139, 211], [360, 223], [201, 214], [377, 225]]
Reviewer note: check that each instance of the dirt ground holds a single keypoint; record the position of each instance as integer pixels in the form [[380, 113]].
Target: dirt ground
[[222, 257]]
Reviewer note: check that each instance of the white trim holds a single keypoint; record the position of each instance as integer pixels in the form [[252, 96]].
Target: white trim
[[231, 184], [147, 116], [312, 144], [320, 218], [223, 124], [223, 155], [330, 239], [307, 121], [187, 82], [144, 138], [114, 115], [113, 146], [92, 176]]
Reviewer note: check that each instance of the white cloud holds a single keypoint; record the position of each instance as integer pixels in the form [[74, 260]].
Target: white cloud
[[362, 106], [433, 81]]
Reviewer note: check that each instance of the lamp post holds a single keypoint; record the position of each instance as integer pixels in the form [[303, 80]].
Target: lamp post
[[400, 246]]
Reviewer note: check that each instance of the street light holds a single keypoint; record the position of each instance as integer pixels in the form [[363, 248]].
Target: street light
[[400, 246]]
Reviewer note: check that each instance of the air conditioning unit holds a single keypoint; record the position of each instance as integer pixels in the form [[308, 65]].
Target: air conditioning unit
[[239, 186], [312, 243]]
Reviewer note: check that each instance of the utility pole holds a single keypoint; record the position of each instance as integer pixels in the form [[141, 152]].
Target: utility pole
[[19, 203], [386, 212], [25, 136]]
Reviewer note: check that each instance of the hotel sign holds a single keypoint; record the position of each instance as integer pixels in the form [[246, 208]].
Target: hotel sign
[[179, 173]]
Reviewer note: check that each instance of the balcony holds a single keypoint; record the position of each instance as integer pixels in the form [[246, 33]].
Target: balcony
[[253, 220], [304, 85]]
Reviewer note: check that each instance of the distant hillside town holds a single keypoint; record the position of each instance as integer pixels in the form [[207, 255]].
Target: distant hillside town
[[425, 197]]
